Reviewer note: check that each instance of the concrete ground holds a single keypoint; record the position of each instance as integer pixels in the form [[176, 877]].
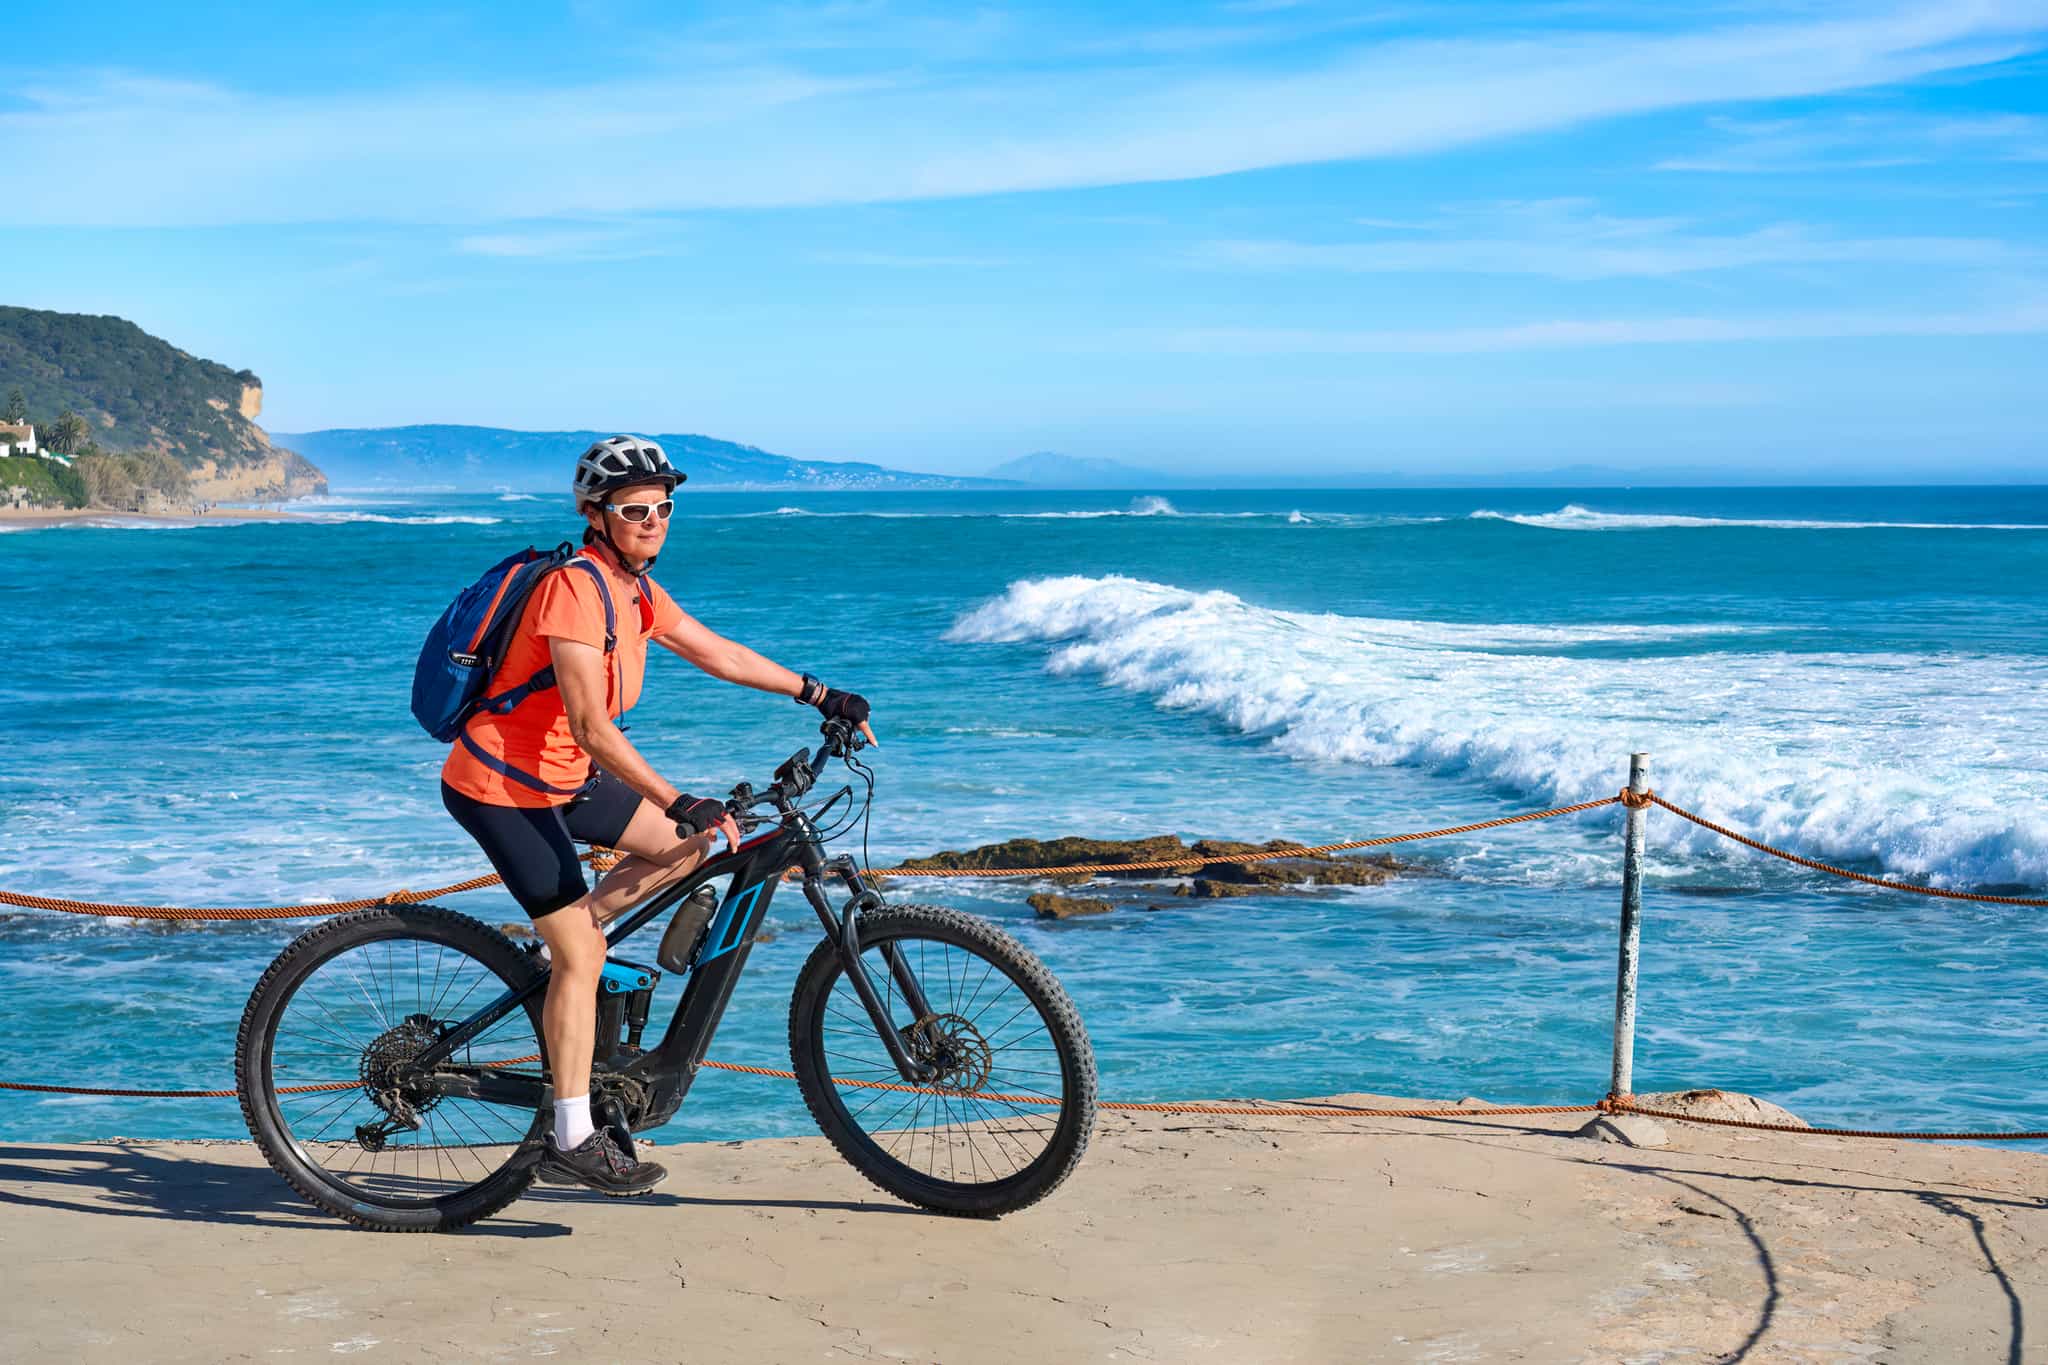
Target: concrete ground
[[1179, 1239]]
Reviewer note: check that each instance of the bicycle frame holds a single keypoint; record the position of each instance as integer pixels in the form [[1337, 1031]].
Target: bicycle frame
[[650, 1086]]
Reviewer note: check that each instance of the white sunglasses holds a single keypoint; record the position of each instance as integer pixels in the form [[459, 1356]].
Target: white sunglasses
[[637, 512]]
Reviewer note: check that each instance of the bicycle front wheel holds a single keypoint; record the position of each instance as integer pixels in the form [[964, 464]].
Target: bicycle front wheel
[[1010, 1112]]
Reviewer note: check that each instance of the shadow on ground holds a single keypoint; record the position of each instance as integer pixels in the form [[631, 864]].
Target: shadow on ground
[[117, 1180]]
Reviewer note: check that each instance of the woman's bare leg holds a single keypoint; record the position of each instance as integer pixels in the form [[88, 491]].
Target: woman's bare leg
[[656, 856], [574, 934], [576, 948]]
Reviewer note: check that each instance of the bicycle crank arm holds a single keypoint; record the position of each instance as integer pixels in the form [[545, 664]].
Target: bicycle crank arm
[[487, 1086]]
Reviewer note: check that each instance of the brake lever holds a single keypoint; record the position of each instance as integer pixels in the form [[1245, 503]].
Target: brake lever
[[842, 741]]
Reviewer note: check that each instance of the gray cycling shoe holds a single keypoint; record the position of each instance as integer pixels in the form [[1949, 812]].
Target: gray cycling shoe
[[599, 1163]]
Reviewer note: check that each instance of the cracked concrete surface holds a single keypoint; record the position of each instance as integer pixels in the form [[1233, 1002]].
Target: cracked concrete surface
[[1260, 1239]]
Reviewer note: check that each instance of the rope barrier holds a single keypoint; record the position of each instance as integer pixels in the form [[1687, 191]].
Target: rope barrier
[[1616, 1104], [1200, 860], [602, 860], [1269, 1111], [1652, 799], [1612, 1104]]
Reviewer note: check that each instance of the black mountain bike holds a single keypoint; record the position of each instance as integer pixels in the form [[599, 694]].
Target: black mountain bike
[[391, 1064]]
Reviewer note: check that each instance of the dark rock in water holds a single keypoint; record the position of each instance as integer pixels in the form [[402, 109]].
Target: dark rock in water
[[1205, 878], [1319, 869], [1208, 889], [1068, 852], [1050, 906]]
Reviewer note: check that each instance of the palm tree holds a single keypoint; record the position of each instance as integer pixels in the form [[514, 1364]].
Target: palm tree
[[67, 433]]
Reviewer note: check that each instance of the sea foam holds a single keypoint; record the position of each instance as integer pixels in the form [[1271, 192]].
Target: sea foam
[[340, 518], [1866, 758], [1573, 517]]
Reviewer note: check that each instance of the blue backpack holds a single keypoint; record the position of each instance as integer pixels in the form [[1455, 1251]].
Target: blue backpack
[[452, 680]]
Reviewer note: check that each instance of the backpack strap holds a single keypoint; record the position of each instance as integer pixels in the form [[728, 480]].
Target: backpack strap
[[544, 679], [519, 775]]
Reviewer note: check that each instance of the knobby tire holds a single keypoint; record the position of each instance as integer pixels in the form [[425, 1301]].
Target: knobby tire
[[818, 1017], [257, 1037]]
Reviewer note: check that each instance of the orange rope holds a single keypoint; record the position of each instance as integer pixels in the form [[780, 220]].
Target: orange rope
[[1613, 1104], [1321, 1112], [1200, 860], [1651, 798], [601, 859], [1619, 1105]]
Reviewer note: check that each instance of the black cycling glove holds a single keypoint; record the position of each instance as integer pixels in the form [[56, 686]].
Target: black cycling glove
[[832, 703], [695, 814], [847, 706]]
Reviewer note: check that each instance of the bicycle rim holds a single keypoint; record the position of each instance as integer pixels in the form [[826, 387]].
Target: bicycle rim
[[332, 1047], [993, 1115]]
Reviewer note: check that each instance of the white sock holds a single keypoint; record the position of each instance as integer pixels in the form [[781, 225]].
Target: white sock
[[572, 1122]]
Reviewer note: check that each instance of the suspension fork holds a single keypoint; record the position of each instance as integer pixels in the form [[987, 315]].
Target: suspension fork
[[843, 929]]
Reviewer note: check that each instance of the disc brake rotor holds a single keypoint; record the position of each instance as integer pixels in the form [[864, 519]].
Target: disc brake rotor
[[954, 1048]]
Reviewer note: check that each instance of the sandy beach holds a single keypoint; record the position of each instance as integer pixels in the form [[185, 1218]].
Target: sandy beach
[[1180, 1238], [102, 516]]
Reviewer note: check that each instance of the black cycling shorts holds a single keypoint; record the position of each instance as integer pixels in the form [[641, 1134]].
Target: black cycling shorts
[[534, 850]]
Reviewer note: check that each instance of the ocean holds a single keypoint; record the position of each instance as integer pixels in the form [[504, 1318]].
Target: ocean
[[217, 714]]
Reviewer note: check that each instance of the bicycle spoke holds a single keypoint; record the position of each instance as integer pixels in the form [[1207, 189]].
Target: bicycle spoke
[[352, 1016], [957, 1129]]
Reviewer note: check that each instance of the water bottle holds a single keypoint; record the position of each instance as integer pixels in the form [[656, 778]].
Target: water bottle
[[686, 930]]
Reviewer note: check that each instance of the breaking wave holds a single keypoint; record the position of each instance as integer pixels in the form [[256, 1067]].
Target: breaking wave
[[1849, 757], [338, 518], [1572, 517]]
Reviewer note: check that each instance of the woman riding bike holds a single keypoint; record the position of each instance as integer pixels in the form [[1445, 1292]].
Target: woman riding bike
[[556, 768]]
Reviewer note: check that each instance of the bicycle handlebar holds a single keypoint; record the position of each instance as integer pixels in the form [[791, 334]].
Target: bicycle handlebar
[[799, 772]]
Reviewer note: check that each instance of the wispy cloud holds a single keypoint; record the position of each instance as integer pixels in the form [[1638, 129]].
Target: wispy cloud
[[2023, 318], [764, 130], [1862, 142], [1564, 239], [888, 260], [570, 244]]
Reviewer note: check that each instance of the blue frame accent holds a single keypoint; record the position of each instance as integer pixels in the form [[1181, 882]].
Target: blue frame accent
[[731, 925]]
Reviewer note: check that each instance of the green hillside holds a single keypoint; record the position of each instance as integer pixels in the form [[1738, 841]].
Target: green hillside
[[141, 396], [135, 391]]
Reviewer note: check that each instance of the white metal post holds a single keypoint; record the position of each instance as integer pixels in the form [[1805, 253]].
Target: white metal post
[[1623, 1081]]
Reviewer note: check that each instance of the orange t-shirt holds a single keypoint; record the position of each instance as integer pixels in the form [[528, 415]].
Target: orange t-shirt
[[534, 736]]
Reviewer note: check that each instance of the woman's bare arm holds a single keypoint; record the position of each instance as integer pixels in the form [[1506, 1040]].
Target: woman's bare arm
[[580, 674], [728, 660]]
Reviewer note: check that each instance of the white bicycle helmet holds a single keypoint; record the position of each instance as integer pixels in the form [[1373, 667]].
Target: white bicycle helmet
[[621, 462]]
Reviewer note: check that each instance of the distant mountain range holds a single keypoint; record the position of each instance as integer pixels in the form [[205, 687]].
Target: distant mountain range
[[480, 458], [1050, 469]]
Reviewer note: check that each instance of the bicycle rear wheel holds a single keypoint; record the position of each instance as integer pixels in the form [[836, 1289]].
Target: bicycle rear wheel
[[322, 1046], [1010, 1113]]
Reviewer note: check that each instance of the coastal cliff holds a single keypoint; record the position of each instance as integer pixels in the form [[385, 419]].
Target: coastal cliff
[[148, 423], [278, 475]]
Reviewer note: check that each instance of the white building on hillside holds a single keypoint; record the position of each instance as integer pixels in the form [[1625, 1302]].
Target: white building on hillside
[[17, 438]]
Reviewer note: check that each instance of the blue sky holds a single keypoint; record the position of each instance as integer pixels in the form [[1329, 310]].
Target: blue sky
[[1770, 240]]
